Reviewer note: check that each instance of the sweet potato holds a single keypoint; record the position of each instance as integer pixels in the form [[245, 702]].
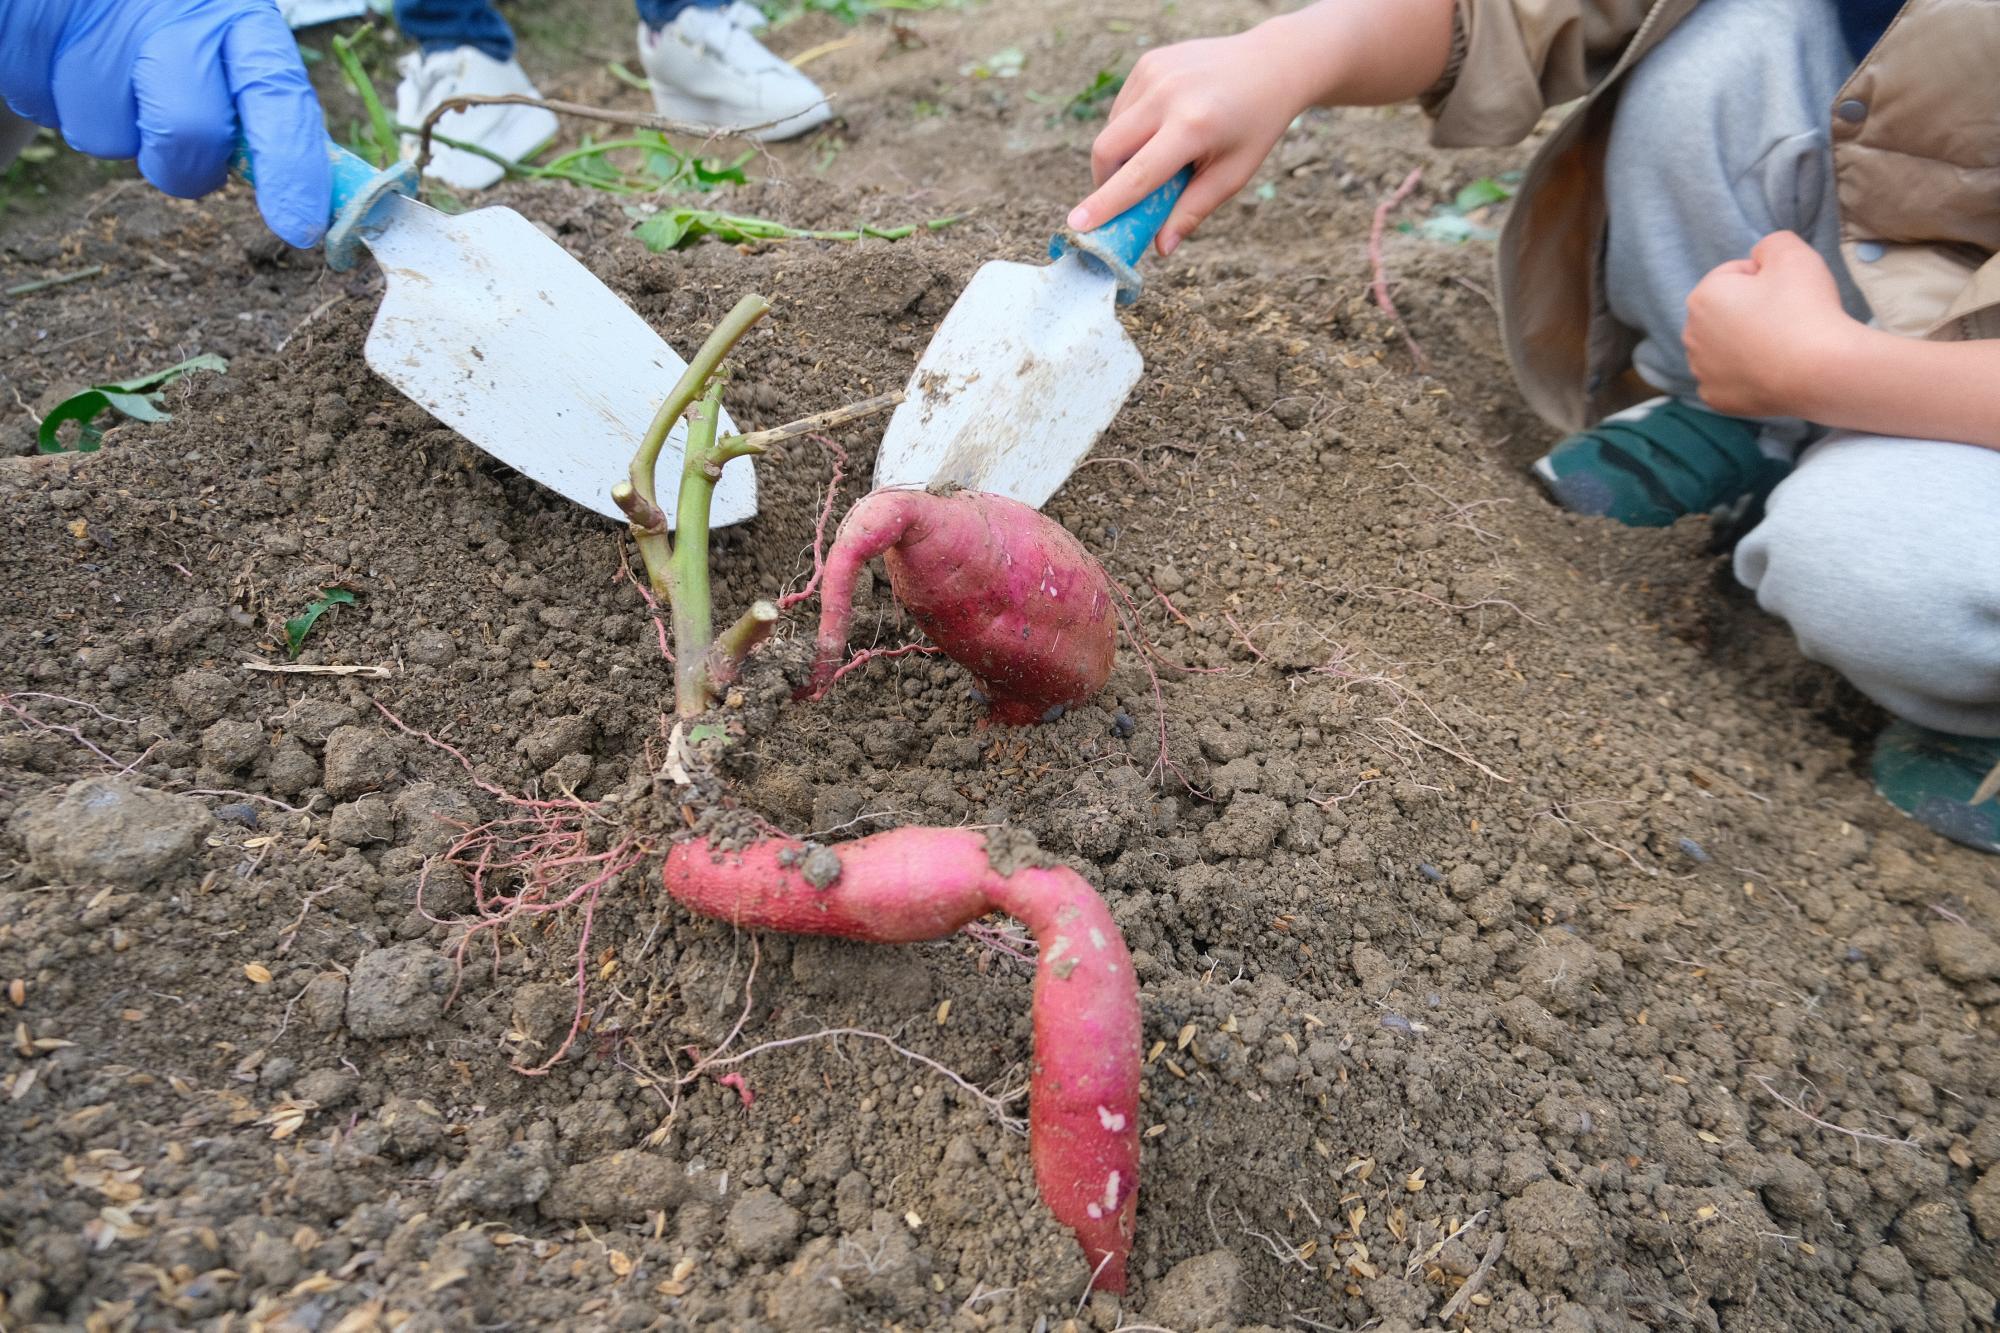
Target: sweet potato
[[1000, 588], [923, 883]]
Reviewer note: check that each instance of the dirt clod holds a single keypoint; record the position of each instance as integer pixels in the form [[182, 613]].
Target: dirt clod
[[494, 1179], [1198, 1292], [397, 992], [621, 1184], [1556, 1236], [1964, 954], [113, 830], [358, 760], [820, 866], [762, 1226]]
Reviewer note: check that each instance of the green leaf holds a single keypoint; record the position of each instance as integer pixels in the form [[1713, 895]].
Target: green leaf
[[707, 175], [672, 228], [1482, 192], [137, 398], [1096, 99], [81, 408], [302, 624], [160, 379], [138, 406]]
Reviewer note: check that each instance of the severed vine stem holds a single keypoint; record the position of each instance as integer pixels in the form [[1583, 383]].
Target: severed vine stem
[[634, 119], [705, 663]]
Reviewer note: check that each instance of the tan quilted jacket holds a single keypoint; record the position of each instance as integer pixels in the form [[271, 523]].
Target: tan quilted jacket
[[1916, 162]]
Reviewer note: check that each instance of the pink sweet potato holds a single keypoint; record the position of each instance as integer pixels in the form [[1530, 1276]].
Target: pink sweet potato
[[923, 883], [1003, 590]]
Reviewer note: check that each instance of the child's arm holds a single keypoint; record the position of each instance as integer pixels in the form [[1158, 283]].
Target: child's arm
[[1221, 103], [1766, 337]]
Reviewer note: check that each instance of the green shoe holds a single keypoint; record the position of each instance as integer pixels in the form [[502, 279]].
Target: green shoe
[[1937, 779], [1662, 461]]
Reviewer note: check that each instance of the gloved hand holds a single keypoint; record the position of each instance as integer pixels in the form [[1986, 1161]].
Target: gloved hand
[[174, 83]]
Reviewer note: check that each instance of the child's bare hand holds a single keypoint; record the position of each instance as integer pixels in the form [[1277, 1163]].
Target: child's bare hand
[[1220, 103], [1763, 333]]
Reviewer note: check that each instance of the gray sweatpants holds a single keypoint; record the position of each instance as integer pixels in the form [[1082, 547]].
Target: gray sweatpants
[[1877, 551]]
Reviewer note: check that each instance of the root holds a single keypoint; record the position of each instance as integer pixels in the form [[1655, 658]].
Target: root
[[1797, 1107], [868, 655], [1244, 635], [652, 603], [32, 723], [722, 1058], [1003, 937], [1380, 266], [1128, 620], [792, 599], [545, 848], [995, 1103], [1442, 748]]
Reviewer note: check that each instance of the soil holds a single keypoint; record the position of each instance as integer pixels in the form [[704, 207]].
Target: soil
[[1520, 943]]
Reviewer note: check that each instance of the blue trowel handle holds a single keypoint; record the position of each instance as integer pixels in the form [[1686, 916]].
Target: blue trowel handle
[[357, 188], [1119, 243]]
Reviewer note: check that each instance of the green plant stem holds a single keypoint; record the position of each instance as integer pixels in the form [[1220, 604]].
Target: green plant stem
[[380, 124], [705, 664], [518, 170], [60, 280], [638, 496], [735, 644], [689, 387], [694, 617]]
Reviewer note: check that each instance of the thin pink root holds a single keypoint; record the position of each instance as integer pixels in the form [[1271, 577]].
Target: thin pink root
[[867, 655], [741, 1085], [544, 849], [790, 600], [1380, 265], [915, 884]]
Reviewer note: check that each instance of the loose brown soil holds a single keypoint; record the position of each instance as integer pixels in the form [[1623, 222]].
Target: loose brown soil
[[1511, 911]]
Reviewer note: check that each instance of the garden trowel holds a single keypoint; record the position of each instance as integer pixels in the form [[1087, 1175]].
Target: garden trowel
[[1029, 367], [498, 332]]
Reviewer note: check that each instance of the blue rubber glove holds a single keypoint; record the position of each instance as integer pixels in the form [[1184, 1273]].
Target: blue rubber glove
[[173, 83]]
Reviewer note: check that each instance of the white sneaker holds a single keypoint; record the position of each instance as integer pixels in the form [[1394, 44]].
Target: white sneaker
[[310, 13], [747, 16], [511, 132], [707, 71]]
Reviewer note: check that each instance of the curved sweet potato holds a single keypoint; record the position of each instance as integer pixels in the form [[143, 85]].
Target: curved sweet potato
[[1005, 591], [923, 883]]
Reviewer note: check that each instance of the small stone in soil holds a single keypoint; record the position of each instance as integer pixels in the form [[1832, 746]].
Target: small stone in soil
[[367, 820], [1122, 725], [1694, 850], [292, 770]]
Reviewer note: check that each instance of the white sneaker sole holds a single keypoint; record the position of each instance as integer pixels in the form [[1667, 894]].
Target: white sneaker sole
[[699, 111]]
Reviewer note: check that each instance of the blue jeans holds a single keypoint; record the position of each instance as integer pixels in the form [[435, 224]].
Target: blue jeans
[[439, 25]]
